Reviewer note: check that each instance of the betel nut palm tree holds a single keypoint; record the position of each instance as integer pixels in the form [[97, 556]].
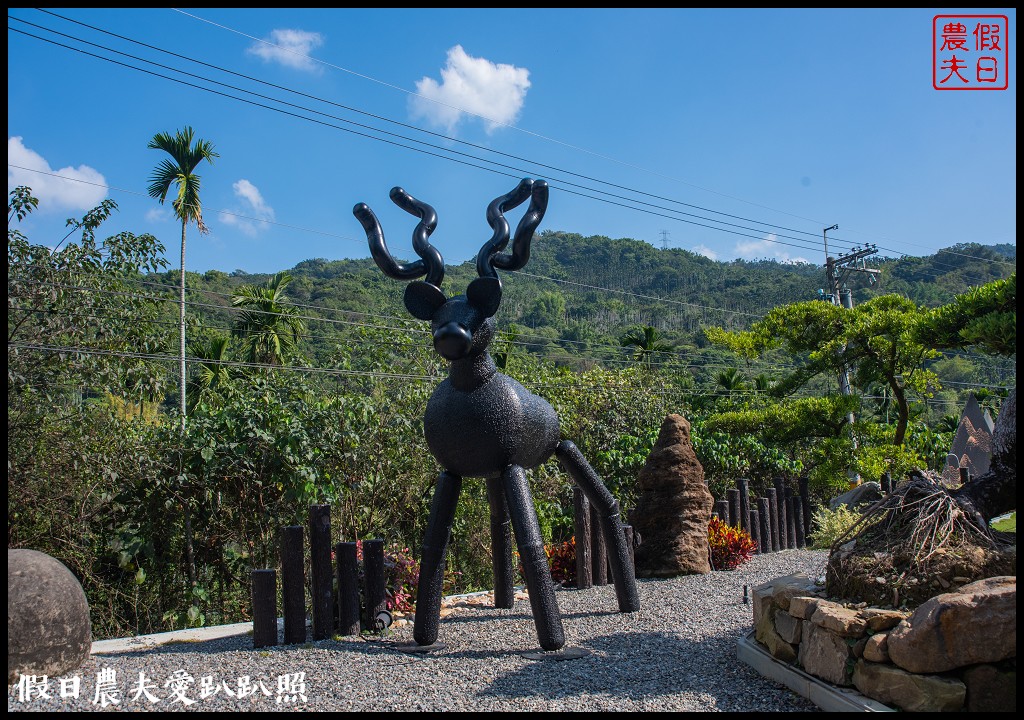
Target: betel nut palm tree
[[180, 169], [645, 341], [267, 327]]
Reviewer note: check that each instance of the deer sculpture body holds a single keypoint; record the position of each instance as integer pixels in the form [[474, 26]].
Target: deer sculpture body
[[481, 423]]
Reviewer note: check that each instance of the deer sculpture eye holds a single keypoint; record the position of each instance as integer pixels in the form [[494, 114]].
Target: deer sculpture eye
[[481, 423]]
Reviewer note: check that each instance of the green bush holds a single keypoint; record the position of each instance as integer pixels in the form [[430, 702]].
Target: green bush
[[829, 525]]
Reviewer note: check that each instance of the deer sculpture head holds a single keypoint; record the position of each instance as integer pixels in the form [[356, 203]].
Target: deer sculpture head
[[462, 325]]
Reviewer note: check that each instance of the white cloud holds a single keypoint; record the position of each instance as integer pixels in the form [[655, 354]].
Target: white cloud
[[253, 209], [705, 251], [290, 48], [767, 249], [158, 214], [471, 85], [54, 194]]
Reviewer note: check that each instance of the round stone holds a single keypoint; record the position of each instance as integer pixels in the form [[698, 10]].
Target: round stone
[[48, 630]]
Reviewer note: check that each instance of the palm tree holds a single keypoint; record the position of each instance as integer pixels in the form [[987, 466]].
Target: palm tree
[[212, 370], [763, 383], [645, 341], [730, 380], [269, 330], [180, 169]]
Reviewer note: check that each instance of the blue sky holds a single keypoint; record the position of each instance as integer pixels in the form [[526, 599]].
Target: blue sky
[[733, 133]]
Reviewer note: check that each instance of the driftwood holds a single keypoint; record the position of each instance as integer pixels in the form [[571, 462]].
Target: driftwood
[[923, 537]]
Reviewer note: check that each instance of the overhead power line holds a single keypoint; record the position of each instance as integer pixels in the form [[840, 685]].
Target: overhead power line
[[519, 170], [773, 239], [447, 138], [503, 124]]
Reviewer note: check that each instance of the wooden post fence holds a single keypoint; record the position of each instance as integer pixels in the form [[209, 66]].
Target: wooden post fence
[[293, 584]]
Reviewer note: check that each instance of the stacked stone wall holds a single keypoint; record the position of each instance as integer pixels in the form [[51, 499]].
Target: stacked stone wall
[[956, 652]]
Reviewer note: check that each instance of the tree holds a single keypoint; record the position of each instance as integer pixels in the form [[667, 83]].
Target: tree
[[75, 318], [80, 342], [877, 339], [730, 380], [267, 327], [645, 342], [984, 317], [180, 169], [212, 370]]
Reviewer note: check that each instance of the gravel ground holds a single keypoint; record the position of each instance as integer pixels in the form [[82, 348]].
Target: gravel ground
[[678, 652]]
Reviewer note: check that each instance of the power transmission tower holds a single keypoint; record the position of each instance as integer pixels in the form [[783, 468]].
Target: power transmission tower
[[664, 239], [837, 271]]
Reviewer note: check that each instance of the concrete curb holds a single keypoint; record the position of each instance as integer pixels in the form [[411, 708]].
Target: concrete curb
[[826, 696], [144, 642]]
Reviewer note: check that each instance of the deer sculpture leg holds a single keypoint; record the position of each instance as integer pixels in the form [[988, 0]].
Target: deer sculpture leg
[[546, 615], [583, 474], [501, 544], [435, 544]]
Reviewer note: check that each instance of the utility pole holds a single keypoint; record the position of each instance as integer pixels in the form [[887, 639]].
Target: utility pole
[[664, 239], [837, 270]]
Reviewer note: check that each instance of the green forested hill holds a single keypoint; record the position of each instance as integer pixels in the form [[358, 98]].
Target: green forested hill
[[579, 293]]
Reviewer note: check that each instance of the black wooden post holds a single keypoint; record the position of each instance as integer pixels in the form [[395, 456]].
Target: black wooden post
[[805, 502], [773, 518], [345, 556], [373, 578], [798, 510], [887, 482], [264, 608], [764, 533], [722, 509], [599, 553], [780, 496], [965, 475], [320, 571], [734, 506], [293, 584], [743, 485], [581, 519], [501, 545], [754, 531], [790, 520]]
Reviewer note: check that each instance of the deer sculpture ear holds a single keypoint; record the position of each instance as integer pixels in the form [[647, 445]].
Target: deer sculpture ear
[[423, 299], [484, 294]]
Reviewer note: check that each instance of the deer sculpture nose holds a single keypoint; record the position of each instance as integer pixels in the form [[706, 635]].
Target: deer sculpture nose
[[452, 341]]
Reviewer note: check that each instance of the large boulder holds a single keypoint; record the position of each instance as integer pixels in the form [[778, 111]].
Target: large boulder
[[674, 507], [976, 624], [48, 630], [908, 691], [864, 494]]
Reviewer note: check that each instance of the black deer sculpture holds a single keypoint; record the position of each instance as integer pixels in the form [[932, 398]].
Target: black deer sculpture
[[481, 423]]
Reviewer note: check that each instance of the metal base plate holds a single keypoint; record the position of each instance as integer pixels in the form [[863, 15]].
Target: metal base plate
[[573, 653], [414, 648]]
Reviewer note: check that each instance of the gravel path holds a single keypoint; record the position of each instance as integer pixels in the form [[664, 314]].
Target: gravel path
[[678, 652]]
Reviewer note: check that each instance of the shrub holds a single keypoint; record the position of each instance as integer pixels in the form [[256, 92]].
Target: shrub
[[730, 546], [829, 525], [561, 561], [401, 576]]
